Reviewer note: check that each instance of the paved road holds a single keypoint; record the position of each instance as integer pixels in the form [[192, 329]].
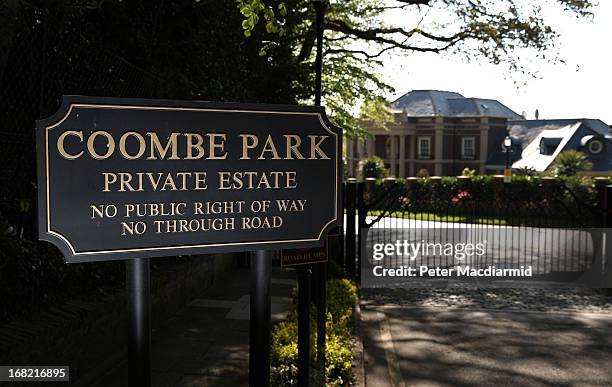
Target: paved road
[[481, 338]]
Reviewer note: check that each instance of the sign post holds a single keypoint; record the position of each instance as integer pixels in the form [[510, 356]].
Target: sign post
[[130, 179], [139, 335], [303, 326], [260, 308]]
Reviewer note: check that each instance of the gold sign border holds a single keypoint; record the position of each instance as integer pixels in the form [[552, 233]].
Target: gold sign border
[[127, 107]]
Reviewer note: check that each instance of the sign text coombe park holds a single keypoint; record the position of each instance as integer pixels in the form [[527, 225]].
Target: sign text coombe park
[[121, 178]]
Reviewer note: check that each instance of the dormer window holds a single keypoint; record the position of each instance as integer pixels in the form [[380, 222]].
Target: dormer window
[[595, 147], [548, 145], [593, 144]]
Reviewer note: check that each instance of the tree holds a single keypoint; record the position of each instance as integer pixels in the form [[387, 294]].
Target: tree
[[197, 48], [358, 38], [570, 163]]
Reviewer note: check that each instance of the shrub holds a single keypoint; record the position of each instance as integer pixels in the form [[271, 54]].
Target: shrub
[[422, 173], [526, 171], [341, 299], [569, 200], [570, 162], [373, 167], [468, 172], [339, 360]]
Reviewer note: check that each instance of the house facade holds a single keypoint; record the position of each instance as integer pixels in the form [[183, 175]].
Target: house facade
[[439, 133], [536, 144]]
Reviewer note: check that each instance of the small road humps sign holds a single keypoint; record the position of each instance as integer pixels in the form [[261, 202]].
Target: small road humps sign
[[124, 178], [307, 256], [297, 257]]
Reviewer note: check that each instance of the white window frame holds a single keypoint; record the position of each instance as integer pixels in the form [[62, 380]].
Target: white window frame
[[424, 139], [464, 154]]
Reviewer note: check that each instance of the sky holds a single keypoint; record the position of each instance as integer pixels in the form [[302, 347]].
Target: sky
[[580, 88]]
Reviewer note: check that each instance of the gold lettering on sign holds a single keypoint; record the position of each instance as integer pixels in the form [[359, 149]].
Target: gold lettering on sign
[[110, 145], [172, 145], [197, 145], [249, 141], [315, 147], [214, 146], [155, 181], [142, 145], [109, 178], [62, 149], [257, 180], [200, 181], [269, 147], [293, 141], [125, 180]]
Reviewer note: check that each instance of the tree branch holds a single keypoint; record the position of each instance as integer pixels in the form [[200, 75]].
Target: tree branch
[[308, 44], [377, 35], [359, 52]]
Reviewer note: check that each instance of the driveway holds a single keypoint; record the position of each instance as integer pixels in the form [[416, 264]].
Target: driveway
[[477, 337]]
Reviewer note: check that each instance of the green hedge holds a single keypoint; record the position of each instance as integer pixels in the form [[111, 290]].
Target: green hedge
[[573, 200], [341, 299]]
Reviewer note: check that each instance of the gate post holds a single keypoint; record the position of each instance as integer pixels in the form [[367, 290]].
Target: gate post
[[606, 223], [361, 222], [603, 199], [341, 258], [350, 257]]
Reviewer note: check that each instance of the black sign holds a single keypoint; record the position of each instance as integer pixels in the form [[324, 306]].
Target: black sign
[[123, 178]]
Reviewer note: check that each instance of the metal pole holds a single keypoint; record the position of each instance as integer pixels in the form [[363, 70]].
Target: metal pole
[[139, 335], [320, 8], [361, 226], [321, 314], [260, 304], [351, 234], [507, 158], [303, 326], [507, 171]]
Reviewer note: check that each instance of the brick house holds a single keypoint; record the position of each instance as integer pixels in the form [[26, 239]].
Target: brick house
[[438, 131]]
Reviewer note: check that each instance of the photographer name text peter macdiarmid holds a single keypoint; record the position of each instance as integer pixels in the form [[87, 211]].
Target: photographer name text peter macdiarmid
[[458, 271]]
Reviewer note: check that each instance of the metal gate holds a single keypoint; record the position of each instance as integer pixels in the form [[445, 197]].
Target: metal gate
[[552, 225]]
